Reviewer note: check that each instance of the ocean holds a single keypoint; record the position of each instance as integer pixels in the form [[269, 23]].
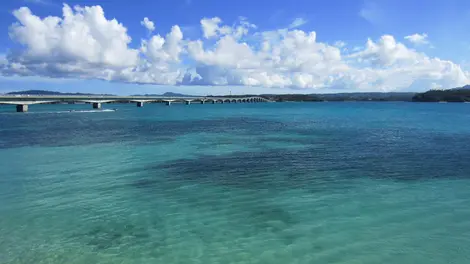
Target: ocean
[[274, 183]]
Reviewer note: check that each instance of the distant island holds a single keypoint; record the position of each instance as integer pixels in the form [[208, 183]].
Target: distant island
[[44, 92], [458, 94], [169, 94]]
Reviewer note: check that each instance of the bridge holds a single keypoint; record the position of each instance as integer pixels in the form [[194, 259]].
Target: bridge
[[23, 102]]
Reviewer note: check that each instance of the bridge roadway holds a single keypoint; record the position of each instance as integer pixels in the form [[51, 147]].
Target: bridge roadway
[[23, 101]]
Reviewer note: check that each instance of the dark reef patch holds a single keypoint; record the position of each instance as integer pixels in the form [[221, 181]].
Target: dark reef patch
[[350, 154], [144, 183]]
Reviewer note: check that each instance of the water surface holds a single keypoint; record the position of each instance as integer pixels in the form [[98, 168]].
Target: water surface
[[245, 183]]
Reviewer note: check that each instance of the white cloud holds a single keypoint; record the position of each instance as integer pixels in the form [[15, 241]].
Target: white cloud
[[168, 49], [340, 44], [391, 65], [418, 39], [386, 52], [85, 44], [148, 24], [82, 43], [297, 23], [211, 28], [286, 59]]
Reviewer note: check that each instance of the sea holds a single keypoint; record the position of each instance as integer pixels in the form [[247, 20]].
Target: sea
[[271, 183]]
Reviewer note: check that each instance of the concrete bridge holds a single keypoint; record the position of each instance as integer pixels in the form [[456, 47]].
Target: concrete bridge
[[22, 102]]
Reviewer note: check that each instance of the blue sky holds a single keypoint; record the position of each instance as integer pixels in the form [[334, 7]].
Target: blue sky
[[443, 23]]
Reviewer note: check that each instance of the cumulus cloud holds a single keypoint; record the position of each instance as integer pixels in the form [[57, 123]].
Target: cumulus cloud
[[391, 65], [148, 24], [286, 59], [83, 43], [386, 52], [211, 28], [418, 39]]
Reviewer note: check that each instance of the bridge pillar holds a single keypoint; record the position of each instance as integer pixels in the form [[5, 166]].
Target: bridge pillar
[[96, 105], [213, 101], [168, 103], [188, 102], [22, 108], [202, 102], [140, 104]]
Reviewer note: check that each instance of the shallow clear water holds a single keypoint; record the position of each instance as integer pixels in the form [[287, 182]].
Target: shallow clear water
[[244, 183]]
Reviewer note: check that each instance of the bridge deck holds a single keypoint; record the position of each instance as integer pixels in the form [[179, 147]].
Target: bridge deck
[[60, 98], [21, 101]]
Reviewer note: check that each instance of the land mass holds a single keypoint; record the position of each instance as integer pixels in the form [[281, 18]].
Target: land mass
[[458, 94], [169, 94], [44, 92], [272, 97], [339, 97]]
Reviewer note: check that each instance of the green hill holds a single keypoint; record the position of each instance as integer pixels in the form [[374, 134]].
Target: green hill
[[452, 95]]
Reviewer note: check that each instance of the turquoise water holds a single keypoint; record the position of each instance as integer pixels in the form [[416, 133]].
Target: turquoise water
[[245, 183]]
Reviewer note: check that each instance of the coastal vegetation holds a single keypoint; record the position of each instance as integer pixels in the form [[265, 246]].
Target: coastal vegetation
[[451, 95], [44, 92], [341, 97]]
